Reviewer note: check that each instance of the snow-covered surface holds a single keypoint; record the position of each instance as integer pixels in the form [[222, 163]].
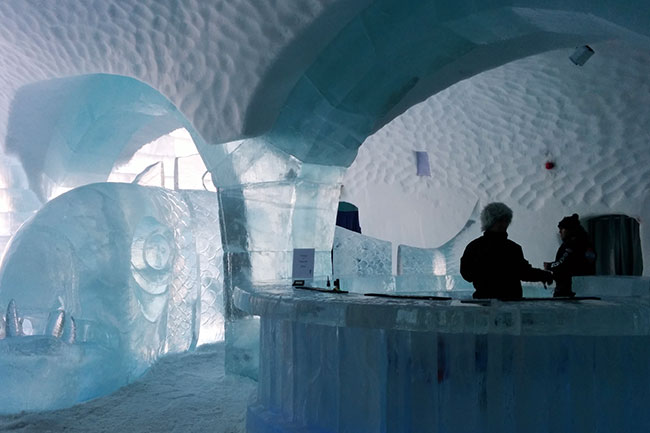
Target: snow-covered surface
[[209, 58], [488, 139], [183, 393]]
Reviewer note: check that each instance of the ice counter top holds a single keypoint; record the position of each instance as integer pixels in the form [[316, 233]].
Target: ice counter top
[[606, 316], [350, 363]]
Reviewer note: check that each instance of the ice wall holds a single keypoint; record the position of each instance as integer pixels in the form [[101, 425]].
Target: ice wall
[[272, 203], [100, 283], [488, 138], [359, 255]]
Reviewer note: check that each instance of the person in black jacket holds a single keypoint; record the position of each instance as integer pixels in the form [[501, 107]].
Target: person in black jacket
[[494, 264], [576, 256]]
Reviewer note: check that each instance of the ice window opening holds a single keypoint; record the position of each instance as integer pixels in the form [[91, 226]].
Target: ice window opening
[[171, 161]]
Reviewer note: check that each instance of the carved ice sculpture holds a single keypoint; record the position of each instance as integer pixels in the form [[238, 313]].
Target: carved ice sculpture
[[101, 282], [362, 263], [436, 269]]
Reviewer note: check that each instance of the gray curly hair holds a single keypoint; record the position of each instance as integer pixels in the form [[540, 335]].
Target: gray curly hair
[[493, 213]]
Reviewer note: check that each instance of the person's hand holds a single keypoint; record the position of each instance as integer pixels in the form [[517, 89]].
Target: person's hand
[[548, 278], [547, 265]]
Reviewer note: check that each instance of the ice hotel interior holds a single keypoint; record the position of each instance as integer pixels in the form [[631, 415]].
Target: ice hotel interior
[[169, 169]]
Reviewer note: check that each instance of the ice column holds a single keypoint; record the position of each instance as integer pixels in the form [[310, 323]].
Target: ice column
[[270, 203]]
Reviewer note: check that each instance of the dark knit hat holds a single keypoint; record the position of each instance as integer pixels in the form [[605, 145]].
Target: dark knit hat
[[570, 222]]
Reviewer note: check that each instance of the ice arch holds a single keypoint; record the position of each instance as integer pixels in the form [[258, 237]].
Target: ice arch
[[394, 54], [72, 131], [388, 57]]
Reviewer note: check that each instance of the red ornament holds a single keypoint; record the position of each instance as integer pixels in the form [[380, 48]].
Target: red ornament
[[549, 165]]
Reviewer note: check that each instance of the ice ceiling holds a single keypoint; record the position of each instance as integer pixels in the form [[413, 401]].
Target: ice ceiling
[[323, 74]]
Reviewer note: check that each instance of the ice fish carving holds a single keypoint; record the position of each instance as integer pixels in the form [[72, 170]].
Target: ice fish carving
[[123, 260]]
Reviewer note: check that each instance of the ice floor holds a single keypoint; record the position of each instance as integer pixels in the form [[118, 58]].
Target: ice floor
[[187, 392]]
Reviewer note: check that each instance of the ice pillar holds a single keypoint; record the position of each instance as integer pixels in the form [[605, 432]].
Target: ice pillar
[[270, 203]]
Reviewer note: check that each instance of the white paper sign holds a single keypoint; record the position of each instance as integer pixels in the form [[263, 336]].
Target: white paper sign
[[303, 263]]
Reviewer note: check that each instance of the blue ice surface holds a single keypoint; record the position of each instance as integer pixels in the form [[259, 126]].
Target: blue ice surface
[[103, 281], [357, 363], [96, 122], [395, 54]]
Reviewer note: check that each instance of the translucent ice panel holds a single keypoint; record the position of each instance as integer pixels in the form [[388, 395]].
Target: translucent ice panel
[[91, 123], [108, 277], [610, 285], [254, 161], [444, 260], [17, 201], [171, 161], [362, 264], [359, 255], [204, 212]]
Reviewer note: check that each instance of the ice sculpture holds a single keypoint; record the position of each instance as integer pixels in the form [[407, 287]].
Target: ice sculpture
[[100, 283], [436, 269], [86, 124], [270, 203], [362, 263], [17, 201]]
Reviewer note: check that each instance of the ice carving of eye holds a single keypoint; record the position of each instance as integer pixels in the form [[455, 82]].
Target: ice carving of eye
[[157, 251], [152, 254]]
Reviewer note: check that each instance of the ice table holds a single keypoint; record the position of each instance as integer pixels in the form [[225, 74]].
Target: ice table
[[351, 363]]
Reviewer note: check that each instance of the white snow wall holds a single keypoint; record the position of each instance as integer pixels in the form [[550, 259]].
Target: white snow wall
[[488, 139]]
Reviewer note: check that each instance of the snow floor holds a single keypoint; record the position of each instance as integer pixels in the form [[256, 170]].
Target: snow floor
[[187, 392]]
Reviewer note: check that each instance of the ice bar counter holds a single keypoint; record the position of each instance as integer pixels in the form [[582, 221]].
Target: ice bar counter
[[361, 364]]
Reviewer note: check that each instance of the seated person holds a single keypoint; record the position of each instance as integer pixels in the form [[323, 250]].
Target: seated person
[[576, 256], [494, 264]]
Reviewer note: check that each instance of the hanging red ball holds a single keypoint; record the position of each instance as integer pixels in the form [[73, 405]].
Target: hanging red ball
[[549, 165]]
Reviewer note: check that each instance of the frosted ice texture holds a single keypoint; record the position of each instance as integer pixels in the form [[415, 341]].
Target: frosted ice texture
[[105, 279], [360, 255], [443, 260], [17, 201], [271, 203], [204, 212], [436, 269], [96, 122], [362, 365], [362, 263]]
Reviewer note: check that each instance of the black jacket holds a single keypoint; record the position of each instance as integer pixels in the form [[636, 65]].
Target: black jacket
[[576, 256], [496, 266]]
